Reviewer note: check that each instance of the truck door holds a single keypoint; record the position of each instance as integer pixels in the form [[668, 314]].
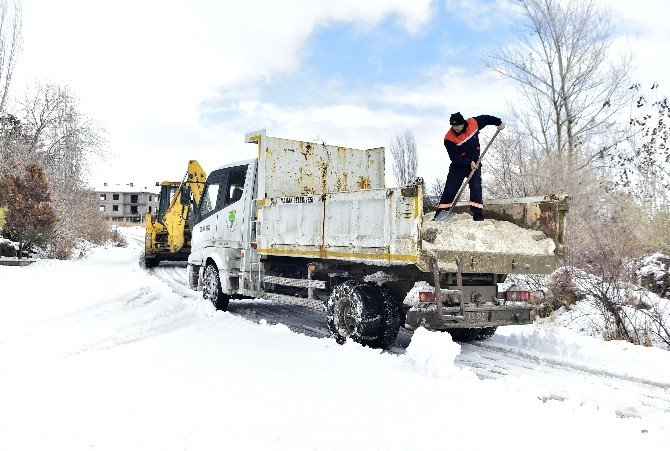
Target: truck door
[[209, 211], [230, 229]]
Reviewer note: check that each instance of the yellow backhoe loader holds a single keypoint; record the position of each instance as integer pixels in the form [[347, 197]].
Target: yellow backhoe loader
[[168, 231]]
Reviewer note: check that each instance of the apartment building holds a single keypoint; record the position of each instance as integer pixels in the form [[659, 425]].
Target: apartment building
[[128, 202]]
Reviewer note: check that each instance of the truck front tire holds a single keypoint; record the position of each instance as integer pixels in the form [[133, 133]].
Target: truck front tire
[[211, 288], [363, 312]]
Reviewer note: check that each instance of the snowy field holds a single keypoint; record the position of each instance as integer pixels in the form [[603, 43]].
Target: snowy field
[[101, 354]]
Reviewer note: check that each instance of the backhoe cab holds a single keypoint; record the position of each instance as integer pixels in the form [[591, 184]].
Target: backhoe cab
[[168, 231]]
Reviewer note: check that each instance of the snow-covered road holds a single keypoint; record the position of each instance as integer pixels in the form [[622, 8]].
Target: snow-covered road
[[100, 354], [577, 381]]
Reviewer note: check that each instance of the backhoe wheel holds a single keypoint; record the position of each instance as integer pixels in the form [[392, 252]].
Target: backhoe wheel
[[486, 332], [464, 335], [355, 311], [148, 262], [211, 288]]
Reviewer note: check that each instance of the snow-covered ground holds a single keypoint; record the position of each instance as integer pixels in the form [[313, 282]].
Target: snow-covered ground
[[100, 354]]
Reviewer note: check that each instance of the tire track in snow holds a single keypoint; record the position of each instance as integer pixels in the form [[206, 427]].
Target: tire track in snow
[[554, 380], [136, 315], [551, 379], [557, 362], [174, 275]]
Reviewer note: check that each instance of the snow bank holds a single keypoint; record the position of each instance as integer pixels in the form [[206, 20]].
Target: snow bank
[[461, 233], [552, 343], [432, 353]]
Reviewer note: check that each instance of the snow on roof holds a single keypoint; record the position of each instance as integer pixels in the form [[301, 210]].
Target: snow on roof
[[130, 187]]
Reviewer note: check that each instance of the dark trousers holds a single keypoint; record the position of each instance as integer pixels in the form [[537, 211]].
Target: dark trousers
[[454, 180]]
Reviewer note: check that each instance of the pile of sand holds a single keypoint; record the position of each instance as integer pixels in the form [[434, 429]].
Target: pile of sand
[[462, 234]]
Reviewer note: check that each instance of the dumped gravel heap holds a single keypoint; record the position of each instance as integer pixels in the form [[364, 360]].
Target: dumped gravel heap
[[461, 233]]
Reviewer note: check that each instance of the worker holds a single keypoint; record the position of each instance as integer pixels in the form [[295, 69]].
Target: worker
[[462, 143]]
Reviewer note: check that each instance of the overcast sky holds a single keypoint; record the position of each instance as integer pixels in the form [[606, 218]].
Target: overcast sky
[[172, 81]]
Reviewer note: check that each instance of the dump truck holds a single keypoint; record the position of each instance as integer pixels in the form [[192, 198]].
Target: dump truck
[[315, 225], [168, 230]]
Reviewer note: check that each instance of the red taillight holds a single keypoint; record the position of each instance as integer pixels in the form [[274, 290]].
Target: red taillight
[[427, 296], [518, 296]]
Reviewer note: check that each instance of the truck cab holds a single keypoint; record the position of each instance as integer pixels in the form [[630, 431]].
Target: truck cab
[[222, 232]]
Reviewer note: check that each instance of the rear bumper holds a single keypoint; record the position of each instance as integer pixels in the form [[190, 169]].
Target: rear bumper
[[472, 317]]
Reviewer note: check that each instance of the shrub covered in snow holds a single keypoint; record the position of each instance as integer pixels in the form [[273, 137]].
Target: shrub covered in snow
[[612, 309], [654, 274]]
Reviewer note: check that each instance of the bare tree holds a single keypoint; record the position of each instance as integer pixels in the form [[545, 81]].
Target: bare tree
[[432, 194], [11, 26], [405, 157], [645, 169], [14, 149], [60, 136], [572, 94]]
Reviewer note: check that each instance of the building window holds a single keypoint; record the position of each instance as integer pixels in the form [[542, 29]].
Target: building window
[[103, 197], [133, 209], [115, 197], [102, 208], [150, 198], [149, 208], [133, 198], [115, 208]]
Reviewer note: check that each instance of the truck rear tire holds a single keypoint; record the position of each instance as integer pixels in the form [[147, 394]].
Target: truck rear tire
[[366, 313], [464, 335], [486, 332], [392, 317], [211, 288]]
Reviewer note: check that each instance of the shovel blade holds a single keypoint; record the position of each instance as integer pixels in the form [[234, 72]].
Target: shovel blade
[[444, 216]]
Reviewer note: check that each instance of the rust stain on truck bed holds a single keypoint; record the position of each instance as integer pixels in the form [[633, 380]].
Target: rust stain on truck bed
[[364, 182], [323, 167], [306, 150]]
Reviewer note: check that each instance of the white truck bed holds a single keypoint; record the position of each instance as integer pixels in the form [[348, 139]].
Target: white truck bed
[[330, 202]]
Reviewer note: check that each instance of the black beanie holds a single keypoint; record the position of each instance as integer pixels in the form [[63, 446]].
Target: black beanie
[[457, 119]]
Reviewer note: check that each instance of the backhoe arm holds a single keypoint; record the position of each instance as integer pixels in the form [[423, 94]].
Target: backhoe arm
[[193, 185]]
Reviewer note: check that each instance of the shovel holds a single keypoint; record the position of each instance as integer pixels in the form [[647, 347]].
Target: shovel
[[445, 216]]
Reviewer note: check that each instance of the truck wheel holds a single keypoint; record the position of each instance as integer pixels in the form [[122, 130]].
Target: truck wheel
[[355, 311], [211, 288], [464, 335], [392, 317], [486, 332]]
